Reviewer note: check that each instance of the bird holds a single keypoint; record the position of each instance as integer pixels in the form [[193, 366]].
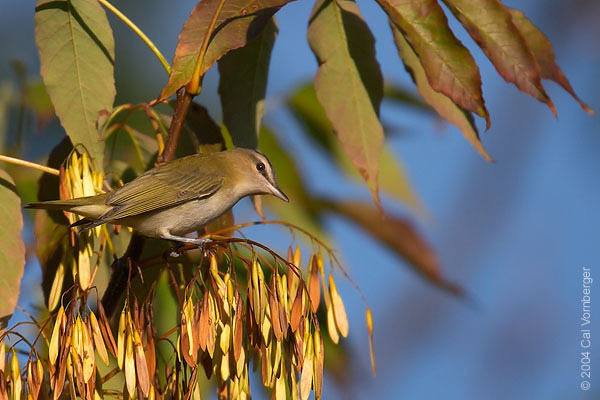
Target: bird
[[178, 197]]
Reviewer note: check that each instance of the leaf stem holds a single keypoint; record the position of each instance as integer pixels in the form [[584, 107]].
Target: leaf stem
[[28, 164], [139, 32], [194, 86]]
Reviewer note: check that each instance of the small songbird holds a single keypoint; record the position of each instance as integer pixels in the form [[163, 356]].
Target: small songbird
[[178, 197]]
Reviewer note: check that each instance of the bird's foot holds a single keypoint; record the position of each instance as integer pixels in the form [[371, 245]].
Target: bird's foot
[[184, 243]]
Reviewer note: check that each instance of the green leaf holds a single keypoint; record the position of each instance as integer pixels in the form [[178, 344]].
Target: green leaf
[[393, 179], [243, 84], [490, 25], [348, 83], [440, 103], [217, 26], [541, 48], [77, 55], [398, 235], [448, 65], [12, 248]]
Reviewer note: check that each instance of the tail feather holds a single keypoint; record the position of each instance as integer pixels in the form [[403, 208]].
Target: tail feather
[[64, 205], [91, 207]]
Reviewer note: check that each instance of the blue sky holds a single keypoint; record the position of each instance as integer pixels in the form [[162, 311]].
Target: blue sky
[[515, 234]]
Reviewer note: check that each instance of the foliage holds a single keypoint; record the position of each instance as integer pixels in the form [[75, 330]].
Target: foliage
[[236, 300]]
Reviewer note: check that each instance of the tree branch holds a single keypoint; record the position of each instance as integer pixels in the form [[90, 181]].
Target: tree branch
[[120, 267], [184, 99]]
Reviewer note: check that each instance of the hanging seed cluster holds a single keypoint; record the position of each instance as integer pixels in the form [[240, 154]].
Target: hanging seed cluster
[[238, 316], [81, 252], [273, 321]]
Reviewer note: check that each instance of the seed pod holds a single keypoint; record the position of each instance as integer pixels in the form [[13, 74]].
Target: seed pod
[[15, 376], [314, 287], [140, 364], [121, 337], [306, 378], [318, 364], [225, 367], [98, 340], [331, 327], [2, 356], [225, 338], [53, 347], [339, 311], [57, 284], [130, 367], [279, 392], [87, 354], [369, 318], [187, 320], [297, 309]]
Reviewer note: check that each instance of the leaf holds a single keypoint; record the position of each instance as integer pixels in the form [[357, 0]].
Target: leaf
[[310, 114], [12, 248], [398, 235], [490, 25], [442, 104], [348, 83], [212, 30], [243, 84], [541, 48], [76, 49], [448, 65]]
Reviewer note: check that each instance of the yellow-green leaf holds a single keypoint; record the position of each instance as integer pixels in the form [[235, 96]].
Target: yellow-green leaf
[[76, 49], [541, 48], [12, 249], [449, 66], [348, 83], [442, 104], [490, 25], [214, 28]]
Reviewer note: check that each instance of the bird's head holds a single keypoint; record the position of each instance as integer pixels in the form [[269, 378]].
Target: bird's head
[[252, 173]]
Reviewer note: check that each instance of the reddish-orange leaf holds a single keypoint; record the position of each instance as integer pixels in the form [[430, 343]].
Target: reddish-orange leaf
[[214, 28], [449, 66], [141, 366], [541, 48], [109, 339], [297, 310], [490, 25], [348, 86], [239, 328], [203, 328], [443, 105], [400, 236], [150, 352]]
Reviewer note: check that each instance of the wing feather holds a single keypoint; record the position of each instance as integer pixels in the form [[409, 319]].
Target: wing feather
[[165, 186]]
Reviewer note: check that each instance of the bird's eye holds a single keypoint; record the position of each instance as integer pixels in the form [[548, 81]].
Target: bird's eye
[[260, 167]]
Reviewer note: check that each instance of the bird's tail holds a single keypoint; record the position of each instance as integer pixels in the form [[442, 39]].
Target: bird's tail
[[91, 207], [64, 205]]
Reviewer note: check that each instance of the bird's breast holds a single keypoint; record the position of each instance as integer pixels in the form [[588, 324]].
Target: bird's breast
[[181, 219]]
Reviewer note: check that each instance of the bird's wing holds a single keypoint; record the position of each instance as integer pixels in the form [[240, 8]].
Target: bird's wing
[[163, 187]]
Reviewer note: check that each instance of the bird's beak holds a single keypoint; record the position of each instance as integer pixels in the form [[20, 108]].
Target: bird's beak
[[275, 191]]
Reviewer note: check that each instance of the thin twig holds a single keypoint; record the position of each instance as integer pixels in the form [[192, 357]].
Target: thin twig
[[184, 99], [138, 32], [29, 164]]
